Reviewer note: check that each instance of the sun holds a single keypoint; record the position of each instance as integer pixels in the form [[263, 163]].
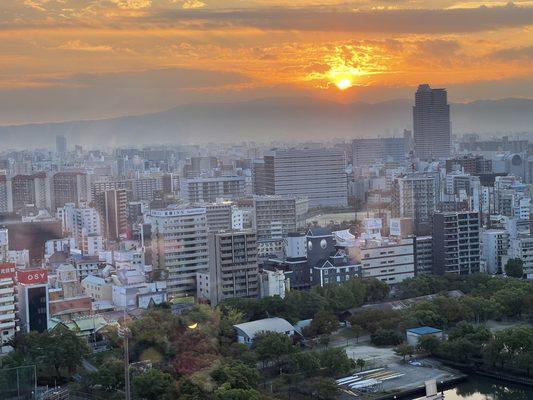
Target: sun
[[344, 84]]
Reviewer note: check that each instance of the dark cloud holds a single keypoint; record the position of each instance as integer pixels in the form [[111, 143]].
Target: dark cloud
[[513, 54], [429, 21]]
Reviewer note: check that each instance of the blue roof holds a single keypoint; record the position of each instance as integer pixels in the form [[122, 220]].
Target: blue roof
[[424, 330]]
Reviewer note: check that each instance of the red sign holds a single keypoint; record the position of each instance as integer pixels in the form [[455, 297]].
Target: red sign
[[32, 276], [7, 271]]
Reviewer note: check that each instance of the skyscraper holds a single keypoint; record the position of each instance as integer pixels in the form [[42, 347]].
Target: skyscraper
[[61, 145], [431, 122]]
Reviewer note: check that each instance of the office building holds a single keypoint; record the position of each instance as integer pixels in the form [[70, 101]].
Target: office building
[[456, 247], [233, 269], [178, 243], [423, 255], [431, 122], [6, 201], [33, 300], [318, 174], [219, 216], [367, 152]]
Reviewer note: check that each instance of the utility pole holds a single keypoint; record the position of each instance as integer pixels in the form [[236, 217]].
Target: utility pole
[[124, 332]]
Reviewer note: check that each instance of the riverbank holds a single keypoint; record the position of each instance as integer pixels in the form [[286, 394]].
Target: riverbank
[[421, 390]]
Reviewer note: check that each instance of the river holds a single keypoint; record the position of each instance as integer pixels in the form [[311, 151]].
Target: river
[[481, 388]]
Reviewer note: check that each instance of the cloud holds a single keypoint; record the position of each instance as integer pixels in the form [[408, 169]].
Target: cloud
[[419, 21], [514, 54], [192, 4], [78, 45], [132, 4]]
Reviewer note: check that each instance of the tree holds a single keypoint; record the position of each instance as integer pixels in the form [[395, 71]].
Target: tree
[[153, 385], [272, 346], [514, 268], [307, 363], [324, 340], [404, 350], [360, 363], [335, 361], [320, 388], [223, 393], [110, 376], [323, 323], [237, 375], [386, 337], [357, 330], [429, 344]]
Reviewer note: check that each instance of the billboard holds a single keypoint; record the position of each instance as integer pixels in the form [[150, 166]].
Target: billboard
[[32, 276], [7, 270]]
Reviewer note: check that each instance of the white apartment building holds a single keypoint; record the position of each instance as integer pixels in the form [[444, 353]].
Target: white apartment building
[[521, 247], [8, 318], [277, 216], [495, 248], [83, 224], [179, 246], [209, 189]]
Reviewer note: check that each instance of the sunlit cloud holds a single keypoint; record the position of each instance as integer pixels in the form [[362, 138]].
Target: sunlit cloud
[[192, 4], [78, 45]]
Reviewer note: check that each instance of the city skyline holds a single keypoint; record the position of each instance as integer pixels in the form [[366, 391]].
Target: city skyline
[[99, 59]]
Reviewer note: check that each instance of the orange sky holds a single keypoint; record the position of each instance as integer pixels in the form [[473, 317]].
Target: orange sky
[[67, 59]]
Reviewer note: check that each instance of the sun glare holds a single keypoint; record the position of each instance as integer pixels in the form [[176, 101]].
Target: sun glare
[[344, 84]]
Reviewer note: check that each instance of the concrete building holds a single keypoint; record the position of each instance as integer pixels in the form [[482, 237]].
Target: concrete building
[[495, 248], [233, 269], [8, 318], [113, 208], [178, 244], [415, 334], [219, 216], [70, 187], [277, 216], [32, 189], [273, 282], [318, 174], [209, 189], [423, 255], [414, 196], [390, 260], [431, 122], [367, 152], [456, 247]]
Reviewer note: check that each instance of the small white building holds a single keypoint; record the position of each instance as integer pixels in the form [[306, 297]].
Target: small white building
[[415, 334], [247, 331]]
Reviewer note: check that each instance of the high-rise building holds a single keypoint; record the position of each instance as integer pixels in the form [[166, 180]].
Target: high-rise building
[[318, 174], [277, 216], [32, 189], [495, 249], [70, 187], [431, 122], [61, 145], [6, 201], [414, 196], [8, 318], [233, 269], [456, 247], [113, 208], [179, 246], [366, 152], [219, 216]]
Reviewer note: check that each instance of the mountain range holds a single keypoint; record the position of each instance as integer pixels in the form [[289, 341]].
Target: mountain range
[[270, 119]]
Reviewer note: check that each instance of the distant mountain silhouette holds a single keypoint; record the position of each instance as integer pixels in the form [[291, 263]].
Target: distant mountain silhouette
[[270, 119]]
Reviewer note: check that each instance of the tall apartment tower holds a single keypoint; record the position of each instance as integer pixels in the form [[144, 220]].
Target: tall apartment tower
[[233, 268], [61, 145], [113, 207], [70, 187], [456, 248], [431, 122], [318, 174], [31, 189], [179, 248], [414, 196], [277, 216]]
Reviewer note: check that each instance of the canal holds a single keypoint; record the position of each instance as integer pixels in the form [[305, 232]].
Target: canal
[[481, 388]]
